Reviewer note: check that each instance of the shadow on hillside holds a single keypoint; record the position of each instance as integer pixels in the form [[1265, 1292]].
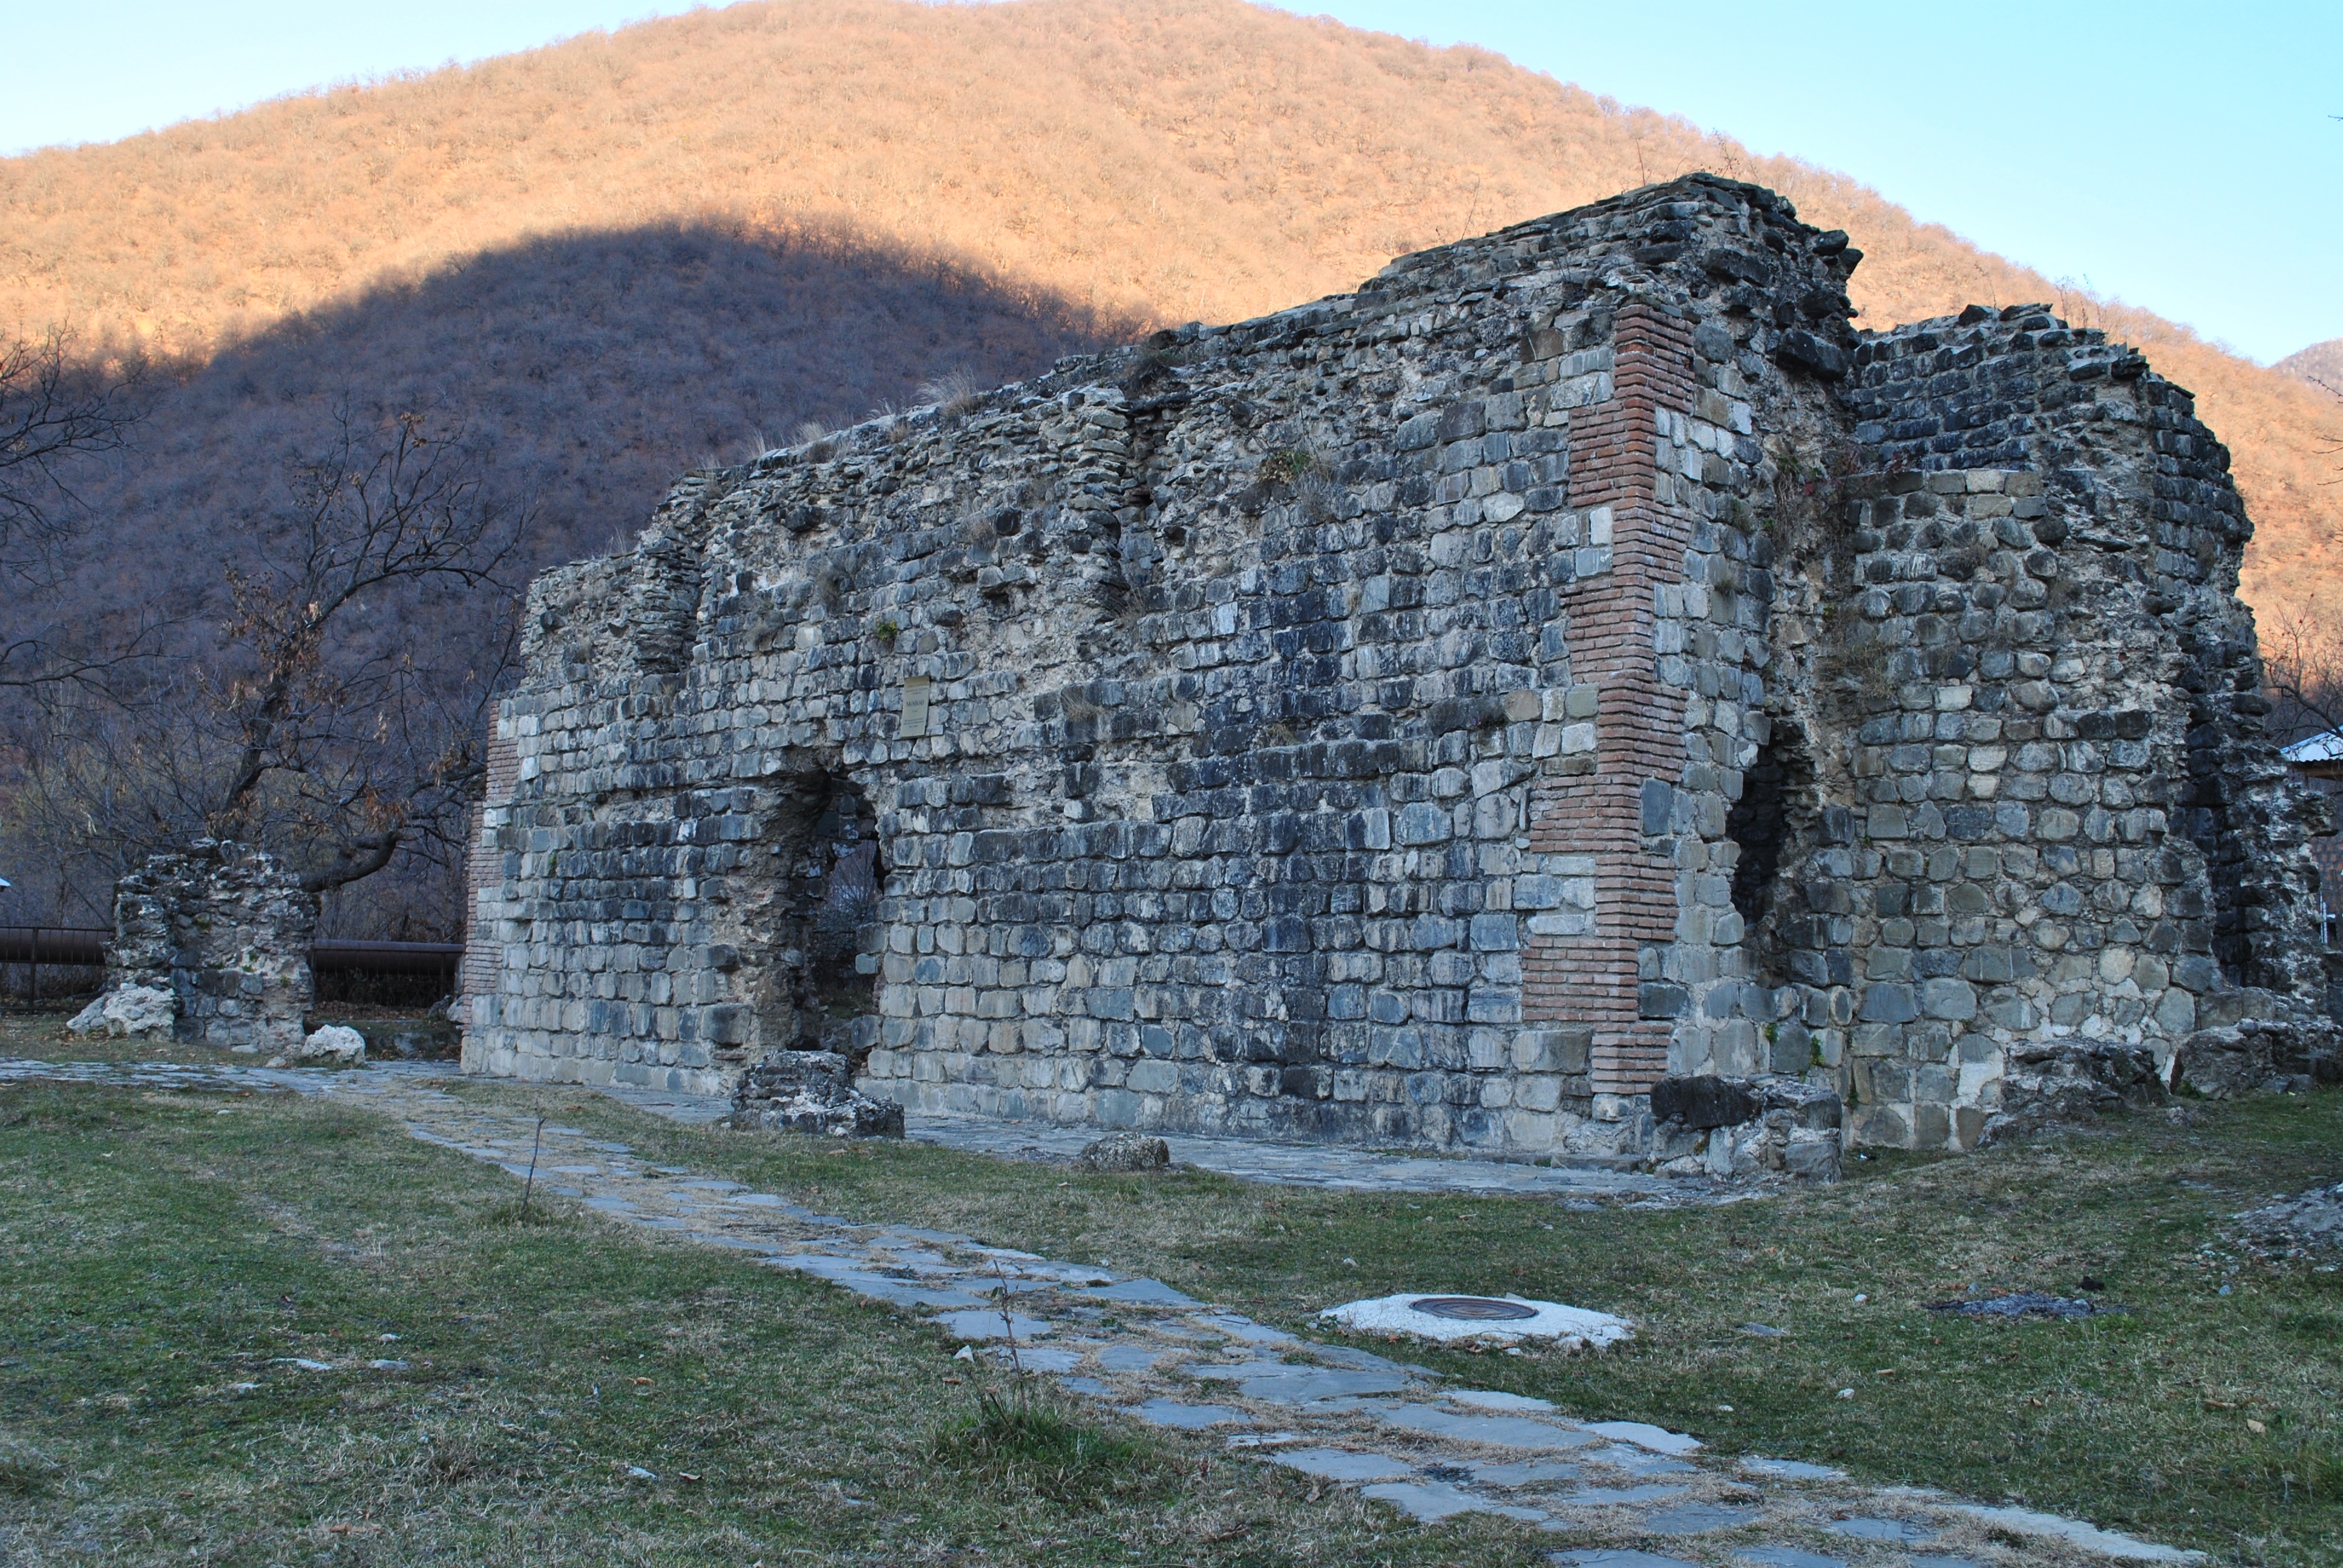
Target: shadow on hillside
[[594, 369], [599, 364]]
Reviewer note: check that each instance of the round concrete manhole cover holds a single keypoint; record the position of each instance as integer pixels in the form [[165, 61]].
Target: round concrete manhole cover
[[1472, 1309]]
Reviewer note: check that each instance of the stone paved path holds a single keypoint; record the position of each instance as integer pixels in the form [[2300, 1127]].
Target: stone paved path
[[1286, 1164], [1619, 1494]]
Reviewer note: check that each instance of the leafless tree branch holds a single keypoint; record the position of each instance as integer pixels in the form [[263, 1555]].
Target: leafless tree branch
[[2302, 659], [305, 715], [53, 410]]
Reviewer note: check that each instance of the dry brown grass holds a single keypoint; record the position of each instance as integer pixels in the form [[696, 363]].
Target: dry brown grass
[[1148, 159]]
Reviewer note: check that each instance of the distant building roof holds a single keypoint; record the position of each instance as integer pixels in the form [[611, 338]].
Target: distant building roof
[[2325, 746]]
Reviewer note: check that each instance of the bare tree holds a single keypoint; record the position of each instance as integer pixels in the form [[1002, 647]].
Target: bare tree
[[53, 410], [348, 739], [311, 718], [2302, 664], [2302, 651]]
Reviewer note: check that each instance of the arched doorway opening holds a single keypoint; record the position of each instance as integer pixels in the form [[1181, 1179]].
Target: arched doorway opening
[[838, 879]]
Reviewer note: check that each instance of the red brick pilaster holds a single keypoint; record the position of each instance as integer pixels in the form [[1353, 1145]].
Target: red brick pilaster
[[485, 868], [1639, 725]]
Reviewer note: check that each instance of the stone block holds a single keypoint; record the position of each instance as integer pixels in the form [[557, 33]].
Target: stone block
[[1495, 932], [1150, 1076], [1889, 1003], [1422, 823], [1949, 999], [1704, 1102]]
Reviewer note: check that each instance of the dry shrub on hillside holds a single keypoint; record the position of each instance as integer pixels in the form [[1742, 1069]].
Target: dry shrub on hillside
[[2302, 649], [2321, 364], [596, 364], [584, 363], [54, 411]]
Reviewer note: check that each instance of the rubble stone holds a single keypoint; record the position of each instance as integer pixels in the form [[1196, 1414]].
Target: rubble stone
[[334, 1044], [1728, 1127], [2257, 1054], [2048, 1083], [1431, 716], [2297, 1225], [811, 1092], [139, 1012], [1124, 1151]]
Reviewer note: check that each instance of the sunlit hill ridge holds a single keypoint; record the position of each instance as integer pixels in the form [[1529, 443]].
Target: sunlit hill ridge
[[628, 250]]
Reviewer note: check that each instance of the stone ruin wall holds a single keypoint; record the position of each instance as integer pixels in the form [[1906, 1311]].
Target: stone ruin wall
[[2042, 810], [1430, 716], [225, 929]]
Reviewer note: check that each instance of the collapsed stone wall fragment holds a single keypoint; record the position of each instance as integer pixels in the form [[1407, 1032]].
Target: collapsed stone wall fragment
[[1432, 716], [211, 947]]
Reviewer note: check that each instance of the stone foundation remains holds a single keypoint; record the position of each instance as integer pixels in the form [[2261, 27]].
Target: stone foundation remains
[[811, 1092], [1432, 715], [215, 944]]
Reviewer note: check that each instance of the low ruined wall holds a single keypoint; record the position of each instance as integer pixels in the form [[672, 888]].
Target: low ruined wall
[[225, 930], [2033, 802], [1433, 715]]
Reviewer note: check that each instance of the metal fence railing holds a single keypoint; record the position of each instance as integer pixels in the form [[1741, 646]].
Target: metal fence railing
[[84, 946]]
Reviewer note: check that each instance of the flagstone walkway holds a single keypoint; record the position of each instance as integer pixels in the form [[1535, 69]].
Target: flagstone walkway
[[1611, 1494], [1285, 1164]]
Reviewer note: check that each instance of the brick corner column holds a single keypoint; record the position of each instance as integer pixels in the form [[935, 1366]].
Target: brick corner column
[[1595, 980], [483, 869]]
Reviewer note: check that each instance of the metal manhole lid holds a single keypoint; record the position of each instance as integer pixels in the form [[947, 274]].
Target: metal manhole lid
[[1475, 1309]]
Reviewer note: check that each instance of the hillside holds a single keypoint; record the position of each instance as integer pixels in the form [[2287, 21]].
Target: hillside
[[2321, 362], [1096, 163]]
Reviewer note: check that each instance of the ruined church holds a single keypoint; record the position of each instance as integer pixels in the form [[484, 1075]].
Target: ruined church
[[1573, 683]]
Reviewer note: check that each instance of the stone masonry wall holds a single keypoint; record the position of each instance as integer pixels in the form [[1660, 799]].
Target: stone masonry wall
[[1428, 716], [2037, 803], [226, 930]]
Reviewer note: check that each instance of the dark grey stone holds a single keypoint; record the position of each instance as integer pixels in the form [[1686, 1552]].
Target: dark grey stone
[[1698, 1518], [1617, 1496], [1191, 1417], [1525, 1472], [1490, 1431], [1702, 1103], [1659, 804], [1901, 1532], [1140, 1292], [1341, 1463], [1432, 1500], [1279, 1383]]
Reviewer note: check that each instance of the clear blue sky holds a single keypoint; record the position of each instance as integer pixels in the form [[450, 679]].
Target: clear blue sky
[[2178, 156]]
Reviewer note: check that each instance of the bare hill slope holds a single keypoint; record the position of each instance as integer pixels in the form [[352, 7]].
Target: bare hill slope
[[1091, 165], [2321, 362]]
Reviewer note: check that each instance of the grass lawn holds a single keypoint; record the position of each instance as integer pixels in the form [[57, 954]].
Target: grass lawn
[[2207, 1420], [571, 1392], [35, 1036], [146, 1285]]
